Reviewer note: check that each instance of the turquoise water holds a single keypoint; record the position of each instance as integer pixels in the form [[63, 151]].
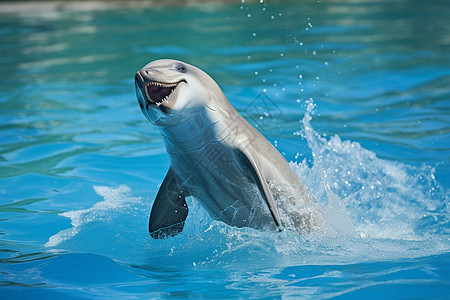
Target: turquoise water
[[355, 94]]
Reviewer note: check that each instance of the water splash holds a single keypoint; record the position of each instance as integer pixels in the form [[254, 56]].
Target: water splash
[[114, 199], [386, 199]]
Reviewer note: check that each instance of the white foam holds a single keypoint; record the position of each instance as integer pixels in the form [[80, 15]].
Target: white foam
[[337, 215], [384, 199], [114, 198]]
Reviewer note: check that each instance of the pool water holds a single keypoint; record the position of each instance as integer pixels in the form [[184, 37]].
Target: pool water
[[356, 95]]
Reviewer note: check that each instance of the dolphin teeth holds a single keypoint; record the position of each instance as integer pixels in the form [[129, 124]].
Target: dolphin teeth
[[159, 92]]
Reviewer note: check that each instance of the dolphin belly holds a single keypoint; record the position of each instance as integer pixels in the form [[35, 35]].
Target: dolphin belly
[[216, 177]]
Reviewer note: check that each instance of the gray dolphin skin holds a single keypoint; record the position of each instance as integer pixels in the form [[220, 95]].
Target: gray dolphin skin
[[216, 156]]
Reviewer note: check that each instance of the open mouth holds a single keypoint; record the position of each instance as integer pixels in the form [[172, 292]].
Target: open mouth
[[158, 92]]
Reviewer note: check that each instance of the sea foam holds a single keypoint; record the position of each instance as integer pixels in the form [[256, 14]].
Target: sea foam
[[113, 199]]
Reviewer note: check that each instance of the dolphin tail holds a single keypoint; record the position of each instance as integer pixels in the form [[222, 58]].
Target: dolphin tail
[[169, 210]]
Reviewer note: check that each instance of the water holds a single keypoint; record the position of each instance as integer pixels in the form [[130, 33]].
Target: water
[[354, 94]]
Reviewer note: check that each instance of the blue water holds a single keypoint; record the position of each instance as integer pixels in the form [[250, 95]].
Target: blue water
[[355, 94]]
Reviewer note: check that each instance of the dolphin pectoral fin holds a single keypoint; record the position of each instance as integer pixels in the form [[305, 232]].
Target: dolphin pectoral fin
[[263, 187], [169, 210]]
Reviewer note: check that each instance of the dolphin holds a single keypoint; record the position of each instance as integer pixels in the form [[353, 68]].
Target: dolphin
[[216, 156]]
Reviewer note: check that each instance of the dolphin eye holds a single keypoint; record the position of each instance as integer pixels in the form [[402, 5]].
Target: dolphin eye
[[180, 67]]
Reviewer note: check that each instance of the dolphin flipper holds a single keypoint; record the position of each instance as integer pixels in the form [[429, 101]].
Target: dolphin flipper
[[262, 186], [169, 210]]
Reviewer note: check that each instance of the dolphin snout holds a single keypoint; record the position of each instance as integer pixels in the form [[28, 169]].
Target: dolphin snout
[[147, 75], [137, 77], [141, 76]]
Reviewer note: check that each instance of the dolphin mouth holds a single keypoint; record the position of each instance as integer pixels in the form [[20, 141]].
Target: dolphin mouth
[[158, 92]]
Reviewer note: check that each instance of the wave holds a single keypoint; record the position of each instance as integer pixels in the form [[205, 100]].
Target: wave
[[115, 199]]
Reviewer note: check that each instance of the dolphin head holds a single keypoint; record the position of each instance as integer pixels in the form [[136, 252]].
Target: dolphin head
[[171, 91]]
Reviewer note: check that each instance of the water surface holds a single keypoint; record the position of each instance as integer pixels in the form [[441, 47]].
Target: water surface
[[354, 94]]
